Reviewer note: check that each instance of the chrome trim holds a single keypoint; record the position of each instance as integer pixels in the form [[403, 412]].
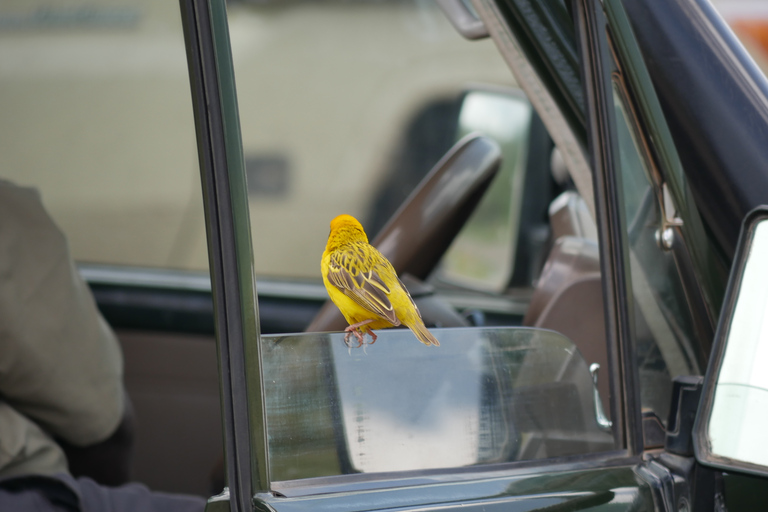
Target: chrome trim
[[309, 487], [602, 421]]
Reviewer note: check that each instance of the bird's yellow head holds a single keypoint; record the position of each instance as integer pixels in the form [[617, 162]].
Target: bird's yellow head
[[345, 229], [345, 221]]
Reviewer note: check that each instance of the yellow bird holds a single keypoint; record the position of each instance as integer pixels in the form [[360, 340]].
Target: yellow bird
[[364, 285]]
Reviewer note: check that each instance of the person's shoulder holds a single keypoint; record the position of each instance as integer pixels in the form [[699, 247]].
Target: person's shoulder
[[10, 191]]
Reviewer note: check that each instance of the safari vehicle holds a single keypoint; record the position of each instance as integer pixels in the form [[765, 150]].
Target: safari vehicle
[[591, 356]]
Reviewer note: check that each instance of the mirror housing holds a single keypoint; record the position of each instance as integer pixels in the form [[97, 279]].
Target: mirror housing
[[732, 421]]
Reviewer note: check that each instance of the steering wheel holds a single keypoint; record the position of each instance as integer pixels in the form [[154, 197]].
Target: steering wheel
[[422, 229]]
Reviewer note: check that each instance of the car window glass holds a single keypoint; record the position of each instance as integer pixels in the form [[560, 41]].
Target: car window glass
[[98, 120], [662, 323], [97, 116], [484, 396]]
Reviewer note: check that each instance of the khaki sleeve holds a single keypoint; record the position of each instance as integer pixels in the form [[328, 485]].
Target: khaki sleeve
[[60, 363], [25, 449]]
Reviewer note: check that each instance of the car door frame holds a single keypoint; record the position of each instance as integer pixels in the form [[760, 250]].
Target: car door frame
[[225, 199], [230, 249], [602, 139]]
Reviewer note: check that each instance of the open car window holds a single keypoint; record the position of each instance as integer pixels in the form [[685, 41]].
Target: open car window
[[357, 128], [344, 108], [490, 395], [98, 117]]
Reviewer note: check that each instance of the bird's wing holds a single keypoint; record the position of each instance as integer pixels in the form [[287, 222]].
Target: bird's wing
[[366, 288], [413, 302]]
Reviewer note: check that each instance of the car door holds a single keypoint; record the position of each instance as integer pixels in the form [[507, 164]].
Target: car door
[[303, 419], [264, 417]]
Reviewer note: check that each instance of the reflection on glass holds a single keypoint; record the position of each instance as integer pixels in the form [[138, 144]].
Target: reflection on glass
[[739, 418], [484, 396]]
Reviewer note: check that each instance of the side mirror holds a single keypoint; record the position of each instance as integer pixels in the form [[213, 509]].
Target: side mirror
[[732, 422], [482, 256]]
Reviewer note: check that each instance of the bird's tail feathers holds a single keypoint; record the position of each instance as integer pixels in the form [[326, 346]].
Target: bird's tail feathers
[[424, 336]]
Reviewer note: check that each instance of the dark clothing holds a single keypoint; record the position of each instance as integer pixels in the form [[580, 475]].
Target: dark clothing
[[63, 493]]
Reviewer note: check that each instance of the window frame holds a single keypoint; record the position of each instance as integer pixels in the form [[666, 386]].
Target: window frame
[[231, 256], [690, 243], [230, 253], [593, 460], [602, 137], [702, 276]]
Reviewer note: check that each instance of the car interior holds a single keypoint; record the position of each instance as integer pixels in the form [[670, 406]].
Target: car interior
[[488, 232], [171, 375]]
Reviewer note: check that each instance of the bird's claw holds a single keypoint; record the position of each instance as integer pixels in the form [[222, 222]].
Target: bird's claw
[[360, 335], [357, 335]]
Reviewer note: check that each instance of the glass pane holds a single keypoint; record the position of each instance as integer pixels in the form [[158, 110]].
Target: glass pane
[[98, 120], [739, 415], [662, 321], [484, 396], [97, 116]]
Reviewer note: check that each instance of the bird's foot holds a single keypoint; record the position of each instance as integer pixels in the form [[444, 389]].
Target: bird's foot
[[353, 330], [359, 331], [349, 334]]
